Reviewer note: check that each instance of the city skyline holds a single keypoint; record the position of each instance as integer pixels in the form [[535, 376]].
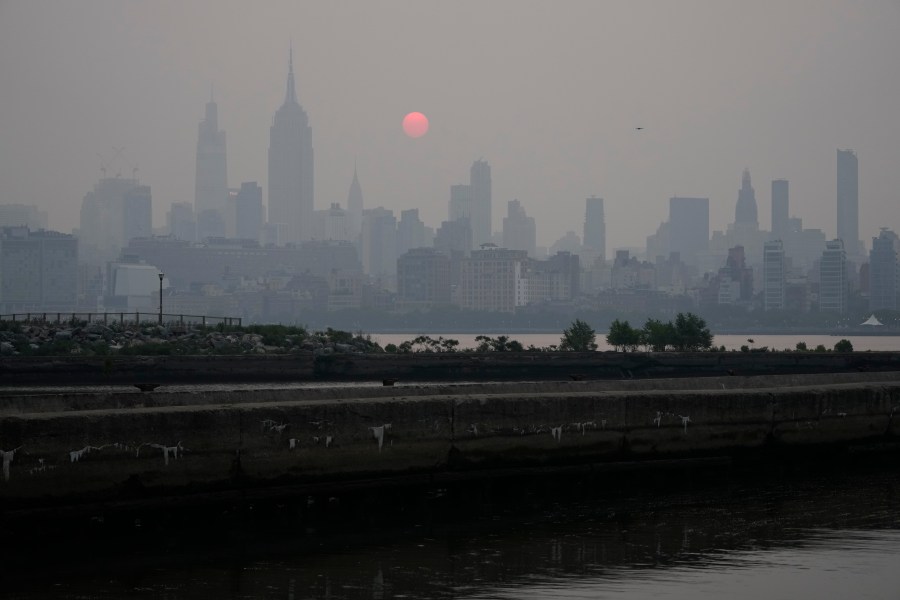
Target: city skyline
[[551, 135]]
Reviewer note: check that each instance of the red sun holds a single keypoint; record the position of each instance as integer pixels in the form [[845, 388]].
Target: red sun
[[415, 124]]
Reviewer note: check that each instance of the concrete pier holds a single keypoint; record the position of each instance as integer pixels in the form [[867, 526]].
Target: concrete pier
[[120, 446]]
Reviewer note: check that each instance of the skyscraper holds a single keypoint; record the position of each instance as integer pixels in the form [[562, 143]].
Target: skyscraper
[[480, 188], [211, 185], [473, 202], [355, 206], [689, 228], [595, 226], [248, 212], [884, 271], [291, 166], [519, 231], [773, 275], [848, 200], [780, 207], [745, 212], [833, 285]]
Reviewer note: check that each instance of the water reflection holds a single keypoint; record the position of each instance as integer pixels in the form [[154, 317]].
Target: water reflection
[[835, 536]]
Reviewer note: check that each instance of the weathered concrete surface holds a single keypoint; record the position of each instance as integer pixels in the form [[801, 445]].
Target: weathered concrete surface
[[456, 366], [246, 442]]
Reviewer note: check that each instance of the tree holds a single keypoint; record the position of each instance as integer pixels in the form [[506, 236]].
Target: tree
[[624, 336], [801, 347], [843, 346], [501, 343], [658, 336], [578, 337], [691, 333]]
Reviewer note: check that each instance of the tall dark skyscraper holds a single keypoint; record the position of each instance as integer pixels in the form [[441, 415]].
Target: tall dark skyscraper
[[689, 227], [291, 186], [211, 184], [848, 201], [745, 211], [480, 189], [595, 225], [780, 207], [884, 271]]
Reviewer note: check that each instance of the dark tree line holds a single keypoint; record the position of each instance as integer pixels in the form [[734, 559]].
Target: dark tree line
[[687, 333]]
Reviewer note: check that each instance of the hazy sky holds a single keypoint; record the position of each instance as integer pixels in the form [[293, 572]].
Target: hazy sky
[[549, 93]]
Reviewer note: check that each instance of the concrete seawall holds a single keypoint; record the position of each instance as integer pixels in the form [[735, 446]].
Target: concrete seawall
[[456, 366], [120, 446]]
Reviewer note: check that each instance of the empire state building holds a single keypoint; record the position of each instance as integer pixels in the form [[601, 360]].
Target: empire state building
[[291, 168]]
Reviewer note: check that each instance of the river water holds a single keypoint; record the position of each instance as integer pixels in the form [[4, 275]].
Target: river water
[[731, 342], [787, 535]]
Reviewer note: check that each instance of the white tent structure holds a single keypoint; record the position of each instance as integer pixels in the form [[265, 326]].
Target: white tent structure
[[872, 322]]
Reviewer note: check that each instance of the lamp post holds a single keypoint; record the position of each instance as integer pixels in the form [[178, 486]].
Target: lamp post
[[161, 275]]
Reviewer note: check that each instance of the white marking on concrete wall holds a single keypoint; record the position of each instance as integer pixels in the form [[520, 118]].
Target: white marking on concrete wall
[[378, 433], [7, 457], [77, 455], [166, 450]]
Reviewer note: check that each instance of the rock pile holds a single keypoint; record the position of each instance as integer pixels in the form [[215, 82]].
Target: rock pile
[[46, 339]]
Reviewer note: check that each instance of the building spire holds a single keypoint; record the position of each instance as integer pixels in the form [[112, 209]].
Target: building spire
[[290, 96]]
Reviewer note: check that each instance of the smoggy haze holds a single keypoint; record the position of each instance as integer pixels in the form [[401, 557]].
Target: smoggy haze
[[548, 93]]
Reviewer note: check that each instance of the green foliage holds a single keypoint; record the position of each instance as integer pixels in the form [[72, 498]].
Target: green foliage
[[623, 335], [578, 337], [658, 336], [843, 345], [501, 343], [801, 347], [391, 348], [821, 348], [691, 333]]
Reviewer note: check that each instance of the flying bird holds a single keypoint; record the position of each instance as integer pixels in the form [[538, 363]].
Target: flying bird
[[638, 128]]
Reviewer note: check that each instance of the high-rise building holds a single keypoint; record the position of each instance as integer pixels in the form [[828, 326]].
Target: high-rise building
[[454, 236], [22, 215], [423, 278], [833, 284], [116, 211], [884, 271], [472, 201], [137, 213], [519, 230], [773, 275], [248, 212], [848, 201], [182, 221], [412, 232], [354, 207], [211, 184], [595, 226], [780, 207], [689, 228], [745, 212], [379, 243], [480, 187], [291, 162], [460, 206], [492, 279], [38, 270]]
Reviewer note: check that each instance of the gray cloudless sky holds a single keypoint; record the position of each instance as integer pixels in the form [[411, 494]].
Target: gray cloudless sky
[[549, 93]]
